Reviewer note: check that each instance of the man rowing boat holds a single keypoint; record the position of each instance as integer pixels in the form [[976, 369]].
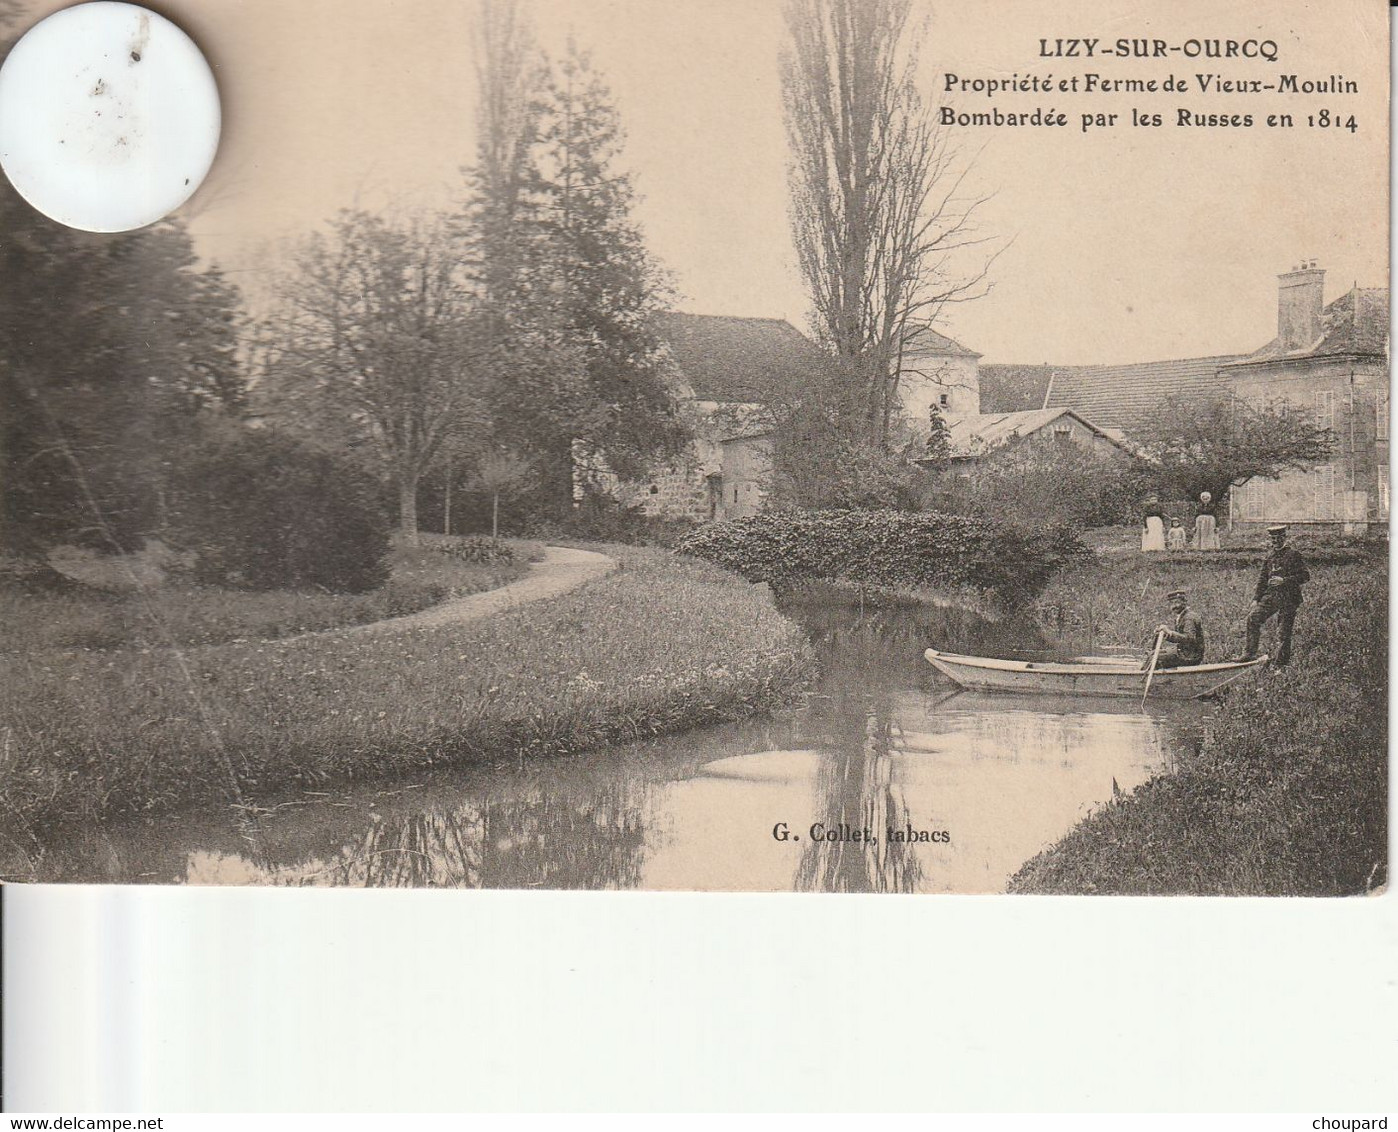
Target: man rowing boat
[[1186, 638]]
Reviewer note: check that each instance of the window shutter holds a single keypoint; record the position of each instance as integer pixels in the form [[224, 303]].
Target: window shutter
[[1381, 414], [1325, 409], [1253, 501], [1325, 491]]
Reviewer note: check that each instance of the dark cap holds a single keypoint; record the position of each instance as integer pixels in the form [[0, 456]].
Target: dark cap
[[1278, 529]]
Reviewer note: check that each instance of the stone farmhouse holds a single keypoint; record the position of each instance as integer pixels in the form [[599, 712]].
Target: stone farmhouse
[[1332, 359], [722, 373], [725, 373]]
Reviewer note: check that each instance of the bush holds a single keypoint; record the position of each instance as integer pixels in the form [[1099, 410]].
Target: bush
[[262, 511], [1034, 483], [477, 550], [889, 548], [600, 518]]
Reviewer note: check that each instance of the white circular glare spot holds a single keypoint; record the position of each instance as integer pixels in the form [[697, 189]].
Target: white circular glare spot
[[109, 117]]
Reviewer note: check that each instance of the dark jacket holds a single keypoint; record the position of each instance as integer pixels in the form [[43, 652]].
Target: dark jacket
[[1188, 636], [1291, 568]]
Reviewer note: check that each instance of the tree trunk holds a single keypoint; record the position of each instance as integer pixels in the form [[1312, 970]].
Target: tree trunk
[[446, 504], [495, 516], [407, 510]]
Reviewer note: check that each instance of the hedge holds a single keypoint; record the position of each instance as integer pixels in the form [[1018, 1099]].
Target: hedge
[[888, 548]]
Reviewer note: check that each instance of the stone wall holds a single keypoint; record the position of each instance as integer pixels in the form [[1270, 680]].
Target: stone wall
[[1351, 488]]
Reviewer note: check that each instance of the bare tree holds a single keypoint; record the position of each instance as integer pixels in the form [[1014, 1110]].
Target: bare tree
[[380, 347], [1212, 444], [882, 223]]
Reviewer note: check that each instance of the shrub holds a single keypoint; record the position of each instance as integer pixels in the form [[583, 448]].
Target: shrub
[[600, 518], [1034, 483], [262, 511], [477, 550], [890, 548]]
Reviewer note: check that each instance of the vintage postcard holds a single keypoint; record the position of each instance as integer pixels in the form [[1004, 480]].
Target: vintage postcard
[[911, 446]]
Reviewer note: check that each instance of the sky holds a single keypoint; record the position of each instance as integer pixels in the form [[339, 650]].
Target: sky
[[1119, 244]]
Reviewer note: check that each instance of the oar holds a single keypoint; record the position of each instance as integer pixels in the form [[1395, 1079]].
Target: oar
[[1150, 673]]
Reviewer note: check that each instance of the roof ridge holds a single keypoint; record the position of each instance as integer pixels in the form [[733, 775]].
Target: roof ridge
[[731, 317]]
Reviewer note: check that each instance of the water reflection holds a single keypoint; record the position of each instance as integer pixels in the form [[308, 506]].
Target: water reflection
[[948, 792]]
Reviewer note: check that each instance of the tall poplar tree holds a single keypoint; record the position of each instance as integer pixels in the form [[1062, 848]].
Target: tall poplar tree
[[879, 214]]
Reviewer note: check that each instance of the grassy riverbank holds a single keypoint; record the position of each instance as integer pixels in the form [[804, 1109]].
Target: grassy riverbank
[[660, 645], [1289, 795], [176, 613]]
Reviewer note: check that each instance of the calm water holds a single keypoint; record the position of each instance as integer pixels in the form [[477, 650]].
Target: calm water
[[885, 746]]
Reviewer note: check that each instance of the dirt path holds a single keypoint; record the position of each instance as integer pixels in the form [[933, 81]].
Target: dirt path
[[562, 569]]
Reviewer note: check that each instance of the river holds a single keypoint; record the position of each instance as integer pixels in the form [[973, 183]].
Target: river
[[886, 780]]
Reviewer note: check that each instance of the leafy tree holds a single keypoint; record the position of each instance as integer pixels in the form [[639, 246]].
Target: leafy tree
[[381, 349], [607, 283], [1036, 484], [879, 214], [498, 472], [568, 285], [1211, 444], [821, 456], [113, 350], [937, 447]]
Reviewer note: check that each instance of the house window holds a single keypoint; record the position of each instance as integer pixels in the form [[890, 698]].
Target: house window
[[1325, 409], [944, 399], [1254, 500], [1062, 433], [1381, 415], [1325, 491]]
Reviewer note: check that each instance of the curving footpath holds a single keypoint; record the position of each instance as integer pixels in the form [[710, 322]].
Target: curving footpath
[[562, 569]]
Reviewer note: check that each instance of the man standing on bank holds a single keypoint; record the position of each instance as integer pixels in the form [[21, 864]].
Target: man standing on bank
[[1278, 594], [1186, 638]]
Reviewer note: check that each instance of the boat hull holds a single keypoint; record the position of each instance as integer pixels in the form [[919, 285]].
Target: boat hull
[[1095, 677]]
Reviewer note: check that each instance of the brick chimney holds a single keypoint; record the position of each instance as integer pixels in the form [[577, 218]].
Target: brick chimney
[[1300, 299]]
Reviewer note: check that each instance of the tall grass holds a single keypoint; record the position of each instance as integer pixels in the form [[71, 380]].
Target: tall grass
[[176, 613], [1118, 601], [659, 645], [1289, 794]]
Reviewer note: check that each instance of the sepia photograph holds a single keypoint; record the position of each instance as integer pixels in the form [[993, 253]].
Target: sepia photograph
[[822, 446]]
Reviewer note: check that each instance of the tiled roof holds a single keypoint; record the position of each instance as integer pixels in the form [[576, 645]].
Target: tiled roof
[[1355, 323], [1125, 395], [1013, 389], [928, 341], [972, 436], [737, 359]]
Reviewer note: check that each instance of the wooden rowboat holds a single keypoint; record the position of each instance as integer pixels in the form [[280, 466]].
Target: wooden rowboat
[[1088, 676]]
